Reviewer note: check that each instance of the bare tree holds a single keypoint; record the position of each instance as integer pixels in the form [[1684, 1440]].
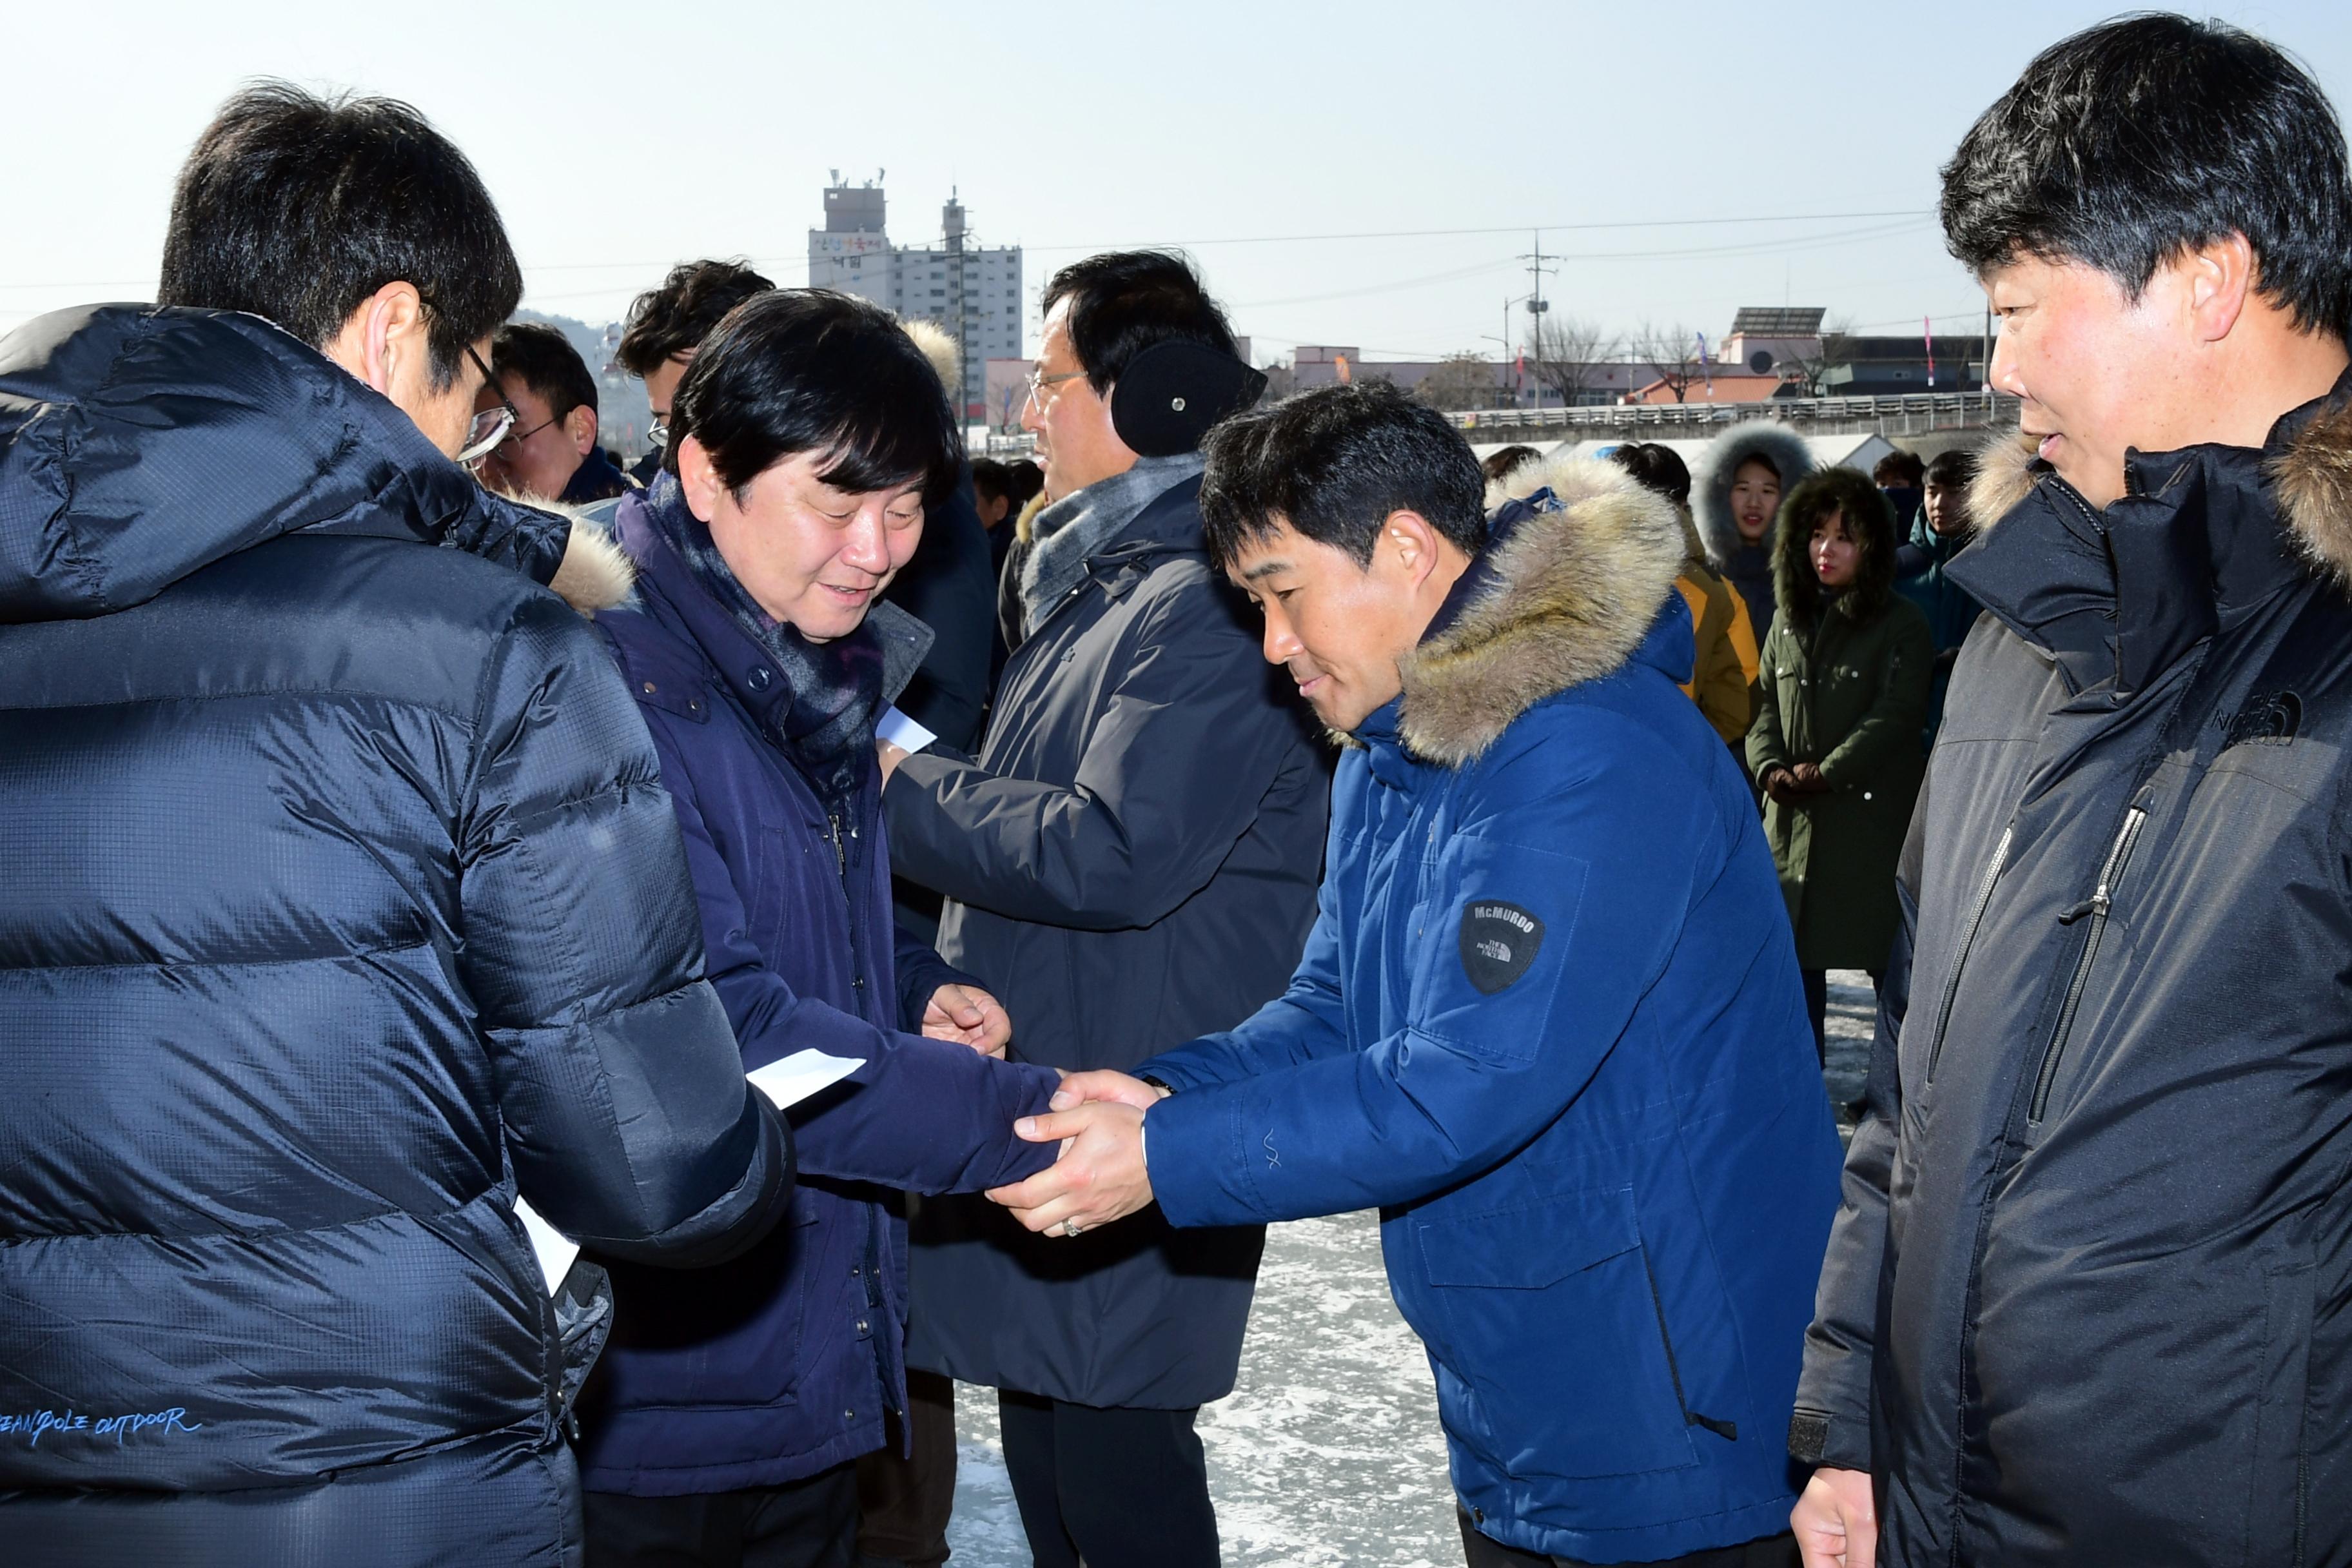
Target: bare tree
[[1458, 383], [1569, 355], [1835, 347], [1672, 355]]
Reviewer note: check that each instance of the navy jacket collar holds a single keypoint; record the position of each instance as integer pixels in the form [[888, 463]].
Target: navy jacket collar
[[2116, 596]]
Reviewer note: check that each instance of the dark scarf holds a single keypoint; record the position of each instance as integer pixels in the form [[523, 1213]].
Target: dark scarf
[[833, 690]]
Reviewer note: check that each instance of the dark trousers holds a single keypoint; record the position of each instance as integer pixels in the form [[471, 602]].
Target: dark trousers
[[1122, 1489], [904, 1503], [810, 1523], [1817, 1007], [1481, 1551]]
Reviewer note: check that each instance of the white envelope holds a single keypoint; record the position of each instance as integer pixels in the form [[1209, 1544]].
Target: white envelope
[[902, 732]]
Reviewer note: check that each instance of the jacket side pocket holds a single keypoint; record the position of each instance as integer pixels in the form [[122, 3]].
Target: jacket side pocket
[[1548, 1313], [2279, 1506]]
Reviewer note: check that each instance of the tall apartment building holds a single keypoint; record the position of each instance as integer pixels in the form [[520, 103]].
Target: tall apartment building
[[972, 291]]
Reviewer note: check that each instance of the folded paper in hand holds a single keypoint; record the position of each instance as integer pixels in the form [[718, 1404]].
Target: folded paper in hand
[[789, 1080], [902, 732], [785, 1082]]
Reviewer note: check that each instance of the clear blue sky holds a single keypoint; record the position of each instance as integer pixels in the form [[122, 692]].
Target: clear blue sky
[[619, 138]]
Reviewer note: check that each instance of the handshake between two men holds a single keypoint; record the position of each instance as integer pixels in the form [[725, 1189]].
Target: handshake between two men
[[1100, 1175]]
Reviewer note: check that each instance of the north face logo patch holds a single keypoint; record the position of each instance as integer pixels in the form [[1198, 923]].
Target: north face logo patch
[[2268, 718], [1498, 941]]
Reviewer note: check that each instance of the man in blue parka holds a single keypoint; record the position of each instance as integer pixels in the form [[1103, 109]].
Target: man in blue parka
[[1549, 1020]]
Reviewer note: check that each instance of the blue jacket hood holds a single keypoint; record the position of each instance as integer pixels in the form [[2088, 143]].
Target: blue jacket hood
[[140, 443], [1574, 581]]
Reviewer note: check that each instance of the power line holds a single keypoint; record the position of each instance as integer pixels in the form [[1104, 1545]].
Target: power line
[[787, 260], [1507, 229]]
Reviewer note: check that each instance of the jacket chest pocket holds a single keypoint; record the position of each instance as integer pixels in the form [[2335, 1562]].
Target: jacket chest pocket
[[784, 869]]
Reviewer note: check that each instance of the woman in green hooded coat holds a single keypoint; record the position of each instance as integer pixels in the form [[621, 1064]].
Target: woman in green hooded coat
[[1835, 741]]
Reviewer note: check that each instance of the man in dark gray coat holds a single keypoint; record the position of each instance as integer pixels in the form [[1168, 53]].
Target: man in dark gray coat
[[1131, 863], [2088, 1303]]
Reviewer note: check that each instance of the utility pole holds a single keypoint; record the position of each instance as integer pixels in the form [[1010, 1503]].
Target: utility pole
[[1506, 341], [1536, 305]]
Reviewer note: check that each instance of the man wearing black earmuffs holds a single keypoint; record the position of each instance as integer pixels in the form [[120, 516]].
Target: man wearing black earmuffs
[[1131, 863]]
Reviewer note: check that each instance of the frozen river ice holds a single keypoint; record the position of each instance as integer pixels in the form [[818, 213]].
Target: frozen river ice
[[1328, 1455]]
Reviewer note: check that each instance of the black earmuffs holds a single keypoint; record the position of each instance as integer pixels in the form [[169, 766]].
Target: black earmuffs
[[1171, 392]]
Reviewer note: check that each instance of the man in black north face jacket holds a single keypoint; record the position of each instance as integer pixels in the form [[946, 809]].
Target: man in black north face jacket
[[2089, 1301], [343, 905]]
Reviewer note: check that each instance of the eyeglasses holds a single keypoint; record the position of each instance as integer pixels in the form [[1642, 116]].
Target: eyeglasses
[[1038, 383], [491, 424], [513, 439], [657, 433]]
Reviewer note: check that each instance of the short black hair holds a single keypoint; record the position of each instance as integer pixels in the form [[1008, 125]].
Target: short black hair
[[2140, 139], [296, 207], [1025, 480], [1124, 302], [1954, 469], [543, 359], [1334, 463], [1504, 461], [675, 318], [1657, 469], [1899, 468], [989, 479], [808, 370]]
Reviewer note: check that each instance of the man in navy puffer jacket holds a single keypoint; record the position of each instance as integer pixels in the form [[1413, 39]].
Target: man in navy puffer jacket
[[343, 902]]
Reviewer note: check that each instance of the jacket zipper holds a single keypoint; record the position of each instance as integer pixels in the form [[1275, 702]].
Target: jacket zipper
[[2101, 902], [848, 904], [1985, 884], [1727, 1430], [2302, 1502], [871, 1278], [1968, 942]]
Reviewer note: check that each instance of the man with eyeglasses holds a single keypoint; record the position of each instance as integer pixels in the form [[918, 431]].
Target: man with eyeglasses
[[666, 324], [1131, 862], [345, 904], [549, 451]]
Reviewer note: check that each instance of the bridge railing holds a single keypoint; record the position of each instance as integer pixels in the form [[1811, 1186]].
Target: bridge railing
[[1957, 407], [1910, 410]]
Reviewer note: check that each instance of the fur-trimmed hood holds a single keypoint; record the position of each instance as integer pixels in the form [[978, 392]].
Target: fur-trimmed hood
[[1712, 475], [1569, 596], [1025, 524], [945, 354], [1543, 473], [2310, 471], [1794, 586], [593, 574]]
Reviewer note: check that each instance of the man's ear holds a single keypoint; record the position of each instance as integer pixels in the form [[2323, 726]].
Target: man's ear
[[697, 480], [381, 335], [2220, 277], [580, 425], [1408, 544]]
